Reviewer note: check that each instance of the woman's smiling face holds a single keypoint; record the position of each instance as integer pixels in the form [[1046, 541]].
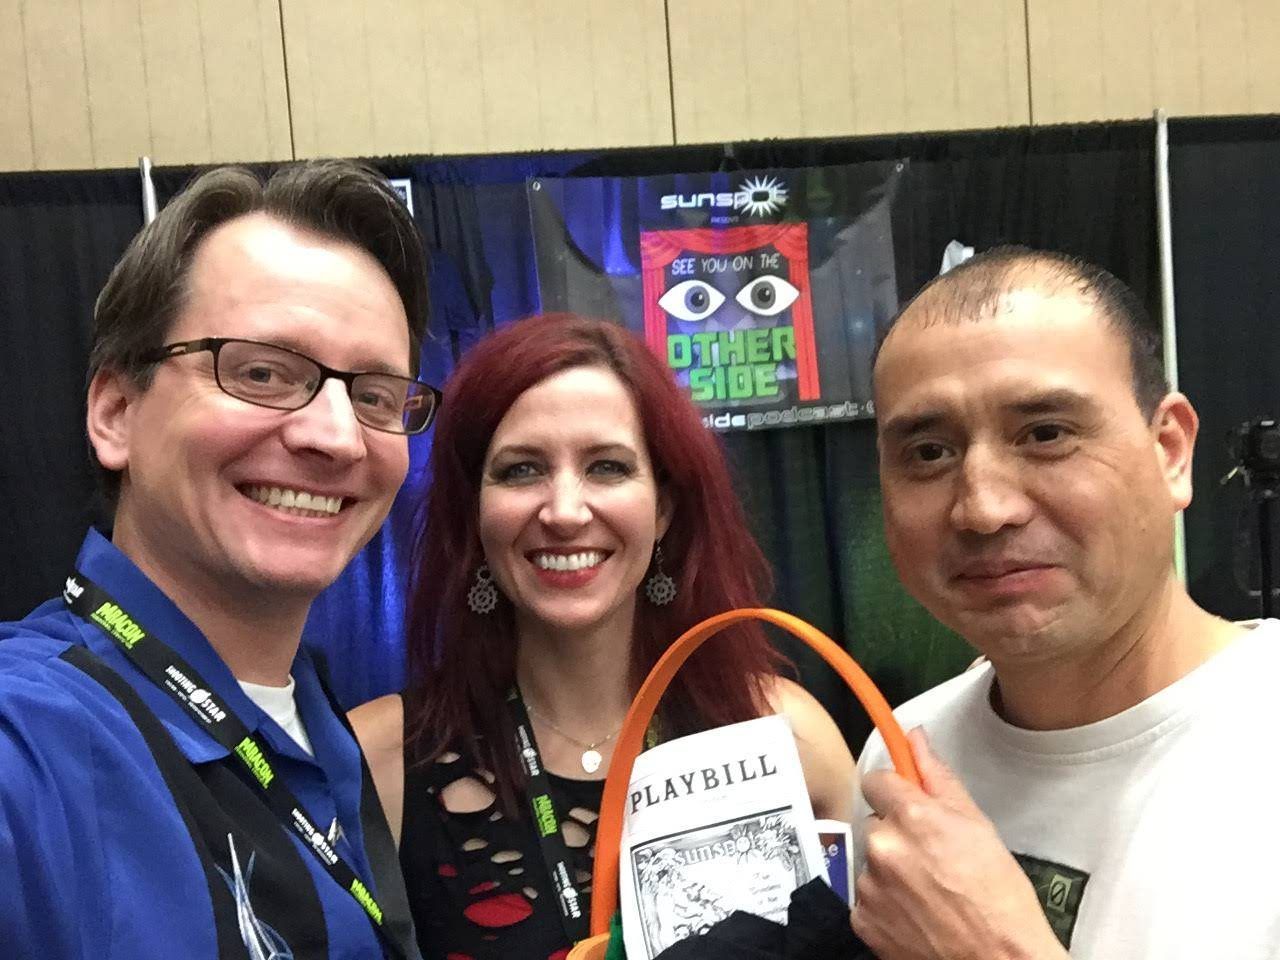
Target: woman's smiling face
[[570, 508]]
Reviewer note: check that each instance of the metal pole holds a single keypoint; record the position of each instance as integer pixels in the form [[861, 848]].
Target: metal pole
[[1169, 329], [1264, 545], [149, 207]]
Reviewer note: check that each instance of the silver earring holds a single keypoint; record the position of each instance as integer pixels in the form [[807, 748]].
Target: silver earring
[[659, 588], [483, 595]]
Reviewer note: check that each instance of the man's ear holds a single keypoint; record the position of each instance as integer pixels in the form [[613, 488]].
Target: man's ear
[[109, 417], [1175, 425]]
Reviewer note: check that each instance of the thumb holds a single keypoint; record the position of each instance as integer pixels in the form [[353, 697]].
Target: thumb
[[936, 777]]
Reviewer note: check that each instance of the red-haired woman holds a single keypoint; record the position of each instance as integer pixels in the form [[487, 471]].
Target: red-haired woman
[[580, 518]]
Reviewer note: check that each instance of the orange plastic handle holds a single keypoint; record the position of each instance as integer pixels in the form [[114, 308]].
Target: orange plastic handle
[[604, 894]]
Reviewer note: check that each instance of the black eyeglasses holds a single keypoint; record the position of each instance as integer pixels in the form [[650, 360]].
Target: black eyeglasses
[[270, 376]]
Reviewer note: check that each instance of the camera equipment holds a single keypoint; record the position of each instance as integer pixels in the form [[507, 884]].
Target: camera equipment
[[1255, 448]]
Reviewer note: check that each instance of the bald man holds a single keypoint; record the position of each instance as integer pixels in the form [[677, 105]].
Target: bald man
[[1093, 787]]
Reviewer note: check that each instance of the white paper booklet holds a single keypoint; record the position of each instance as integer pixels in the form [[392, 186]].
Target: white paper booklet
[[714, 822]]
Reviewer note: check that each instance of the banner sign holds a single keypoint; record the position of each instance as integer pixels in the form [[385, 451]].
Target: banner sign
[[764, 291]]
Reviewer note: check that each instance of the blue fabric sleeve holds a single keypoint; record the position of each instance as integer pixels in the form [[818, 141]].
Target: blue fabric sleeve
[[52, 902]]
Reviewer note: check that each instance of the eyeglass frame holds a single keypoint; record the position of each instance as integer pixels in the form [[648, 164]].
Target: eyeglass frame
[[214, 345]]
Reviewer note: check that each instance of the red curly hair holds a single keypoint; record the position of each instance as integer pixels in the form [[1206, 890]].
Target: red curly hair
[[462, 665]]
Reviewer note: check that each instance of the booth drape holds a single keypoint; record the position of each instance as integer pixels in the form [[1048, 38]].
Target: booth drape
[[1225, 181], [60, 234]]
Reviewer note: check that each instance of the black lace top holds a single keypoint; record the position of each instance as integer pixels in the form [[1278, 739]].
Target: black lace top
[[477, 884]]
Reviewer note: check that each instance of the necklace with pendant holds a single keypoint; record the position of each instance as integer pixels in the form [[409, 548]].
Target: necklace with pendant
[[591, 757]]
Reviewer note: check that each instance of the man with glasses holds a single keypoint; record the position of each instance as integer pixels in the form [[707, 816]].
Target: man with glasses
[[175, 779]]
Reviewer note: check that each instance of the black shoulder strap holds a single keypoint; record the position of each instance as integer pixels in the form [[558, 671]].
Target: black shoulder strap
[[177, 776], [215, 803], [379, 846]]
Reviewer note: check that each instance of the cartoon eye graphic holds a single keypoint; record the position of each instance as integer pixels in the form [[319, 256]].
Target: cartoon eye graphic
[[768, 295], [691, 300]]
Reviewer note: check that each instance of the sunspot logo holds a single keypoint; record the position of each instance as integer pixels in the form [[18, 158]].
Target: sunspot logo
[[761, 196], [758, 196]]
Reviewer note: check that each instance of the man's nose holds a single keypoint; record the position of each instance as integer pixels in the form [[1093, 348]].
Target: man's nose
[[328, 424], [989, 494]]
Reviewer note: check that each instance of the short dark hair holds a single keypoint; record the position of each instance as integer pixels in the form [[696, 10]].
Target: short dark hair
[[338, 199], [972, 290]]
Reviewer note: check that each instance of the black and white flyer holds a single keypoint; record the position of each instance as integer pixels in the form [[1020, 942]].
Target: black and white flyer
[[715, 822]]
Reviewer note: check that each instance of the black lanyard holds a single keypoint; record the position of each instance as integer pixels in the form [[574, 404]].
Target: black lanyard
[[546, 824], [175, 676]]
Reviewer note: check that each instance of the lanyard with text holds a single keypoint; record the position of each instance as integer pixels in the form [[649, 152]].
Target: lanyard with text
[[546, 824], [175, 676]]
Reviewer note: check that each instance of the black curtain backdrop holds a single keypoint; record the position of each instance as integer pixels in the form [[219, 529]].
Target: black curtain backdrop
[[812, 492], [60, 234], [1225, 181]]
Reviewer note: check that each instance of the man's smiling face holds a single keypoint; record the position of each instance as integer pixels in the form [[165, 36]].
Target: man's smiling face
[[1027, 500], [198, 464]]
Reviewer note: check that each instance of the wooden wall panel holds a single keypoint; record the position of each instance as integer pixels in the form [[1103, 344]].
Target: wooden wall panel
[[105, 81], [1103, 60], [215, 83], [400, 104], [96, 83], [828, 74], [832, 67], [175, 94], [244, 80], [401, 76], [631, 65], [327, 57], [560, 74], [16, 148], [711, 78], [510, 74], [116, 80], [991, 51], [452, 62], [879, 56], [60, 124]]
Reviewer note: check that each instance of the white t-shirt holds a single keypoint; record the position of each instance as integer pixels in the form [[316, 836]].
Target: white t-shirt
[[1151, 834], [278, 704]]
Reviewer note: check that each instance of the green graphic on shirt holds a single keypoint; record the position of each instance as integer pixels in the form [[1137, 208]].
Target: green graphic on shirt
[[1060, 890]]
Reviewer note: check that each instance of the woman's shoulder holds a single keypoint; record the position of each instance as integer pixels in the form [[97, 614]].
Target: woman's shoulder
[[786, 696], [379, 724], [379, 728], [828, 764]]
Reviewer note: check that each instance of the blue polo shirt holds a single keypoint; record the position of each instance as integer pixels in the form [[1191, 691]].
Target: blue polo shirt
[[96, 860]]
